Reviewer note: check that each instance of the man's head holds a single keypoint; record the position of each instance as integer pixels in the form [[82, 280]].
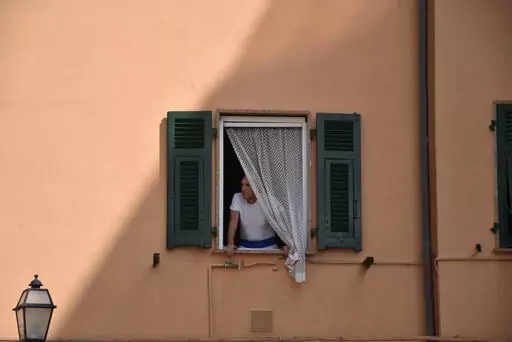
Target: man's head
[[247, 190]]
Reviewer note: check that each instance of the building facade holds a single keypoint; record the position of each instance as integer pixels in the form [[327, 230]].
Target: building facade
[[85, 93]]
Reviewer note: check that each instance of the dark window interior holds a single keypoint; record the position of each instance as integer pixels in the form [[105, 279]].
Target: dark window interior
[[233, 174]]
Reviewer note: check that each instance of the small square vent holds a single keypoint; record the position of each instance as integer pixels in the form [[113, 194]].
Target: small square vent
[[261, 320]]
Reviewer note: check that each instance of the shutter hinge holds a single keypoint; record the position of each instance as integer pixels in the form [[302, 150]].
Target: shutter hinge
[[156, 259], [214, 132], [494, 228], [312, 134], [492, 126], [368, 261], [214, 231], [314, 232]]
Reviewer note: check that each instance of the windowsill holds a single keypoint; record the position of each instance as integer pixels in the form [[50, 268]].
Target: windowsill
[[274, 252], [502, 250], [271, 252]]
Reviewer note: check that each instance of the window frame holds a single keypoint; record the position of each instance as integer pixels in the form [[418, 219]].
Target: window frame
[[255, 119]]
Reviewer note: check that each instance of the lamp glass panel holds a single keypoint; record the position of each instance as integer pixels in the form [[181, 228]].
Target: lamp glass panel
[[21, 324], [37, 320], [22, 298], [38, 297]]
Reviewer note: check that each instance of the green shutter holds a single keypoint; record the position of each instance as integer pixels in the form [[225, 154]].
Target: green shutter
[[338, 181], [189, 160], [504, 159]]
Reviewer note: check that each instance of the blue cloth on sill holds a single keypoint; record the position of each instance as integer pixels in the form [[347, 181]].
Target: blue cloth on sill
[[259, 244]]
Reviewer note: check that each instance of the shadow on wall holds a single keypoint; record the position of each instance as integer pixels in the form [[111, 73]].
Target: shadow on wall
[[304, 55]]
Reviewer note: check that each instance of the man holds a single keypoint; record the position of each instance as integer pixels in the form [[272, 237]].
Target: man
[[255, 231]]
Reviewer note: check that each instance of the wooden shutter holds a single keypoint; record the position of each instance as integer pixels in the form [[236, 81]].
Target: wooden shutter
[[504, 159], [189, 160], [338, 180]]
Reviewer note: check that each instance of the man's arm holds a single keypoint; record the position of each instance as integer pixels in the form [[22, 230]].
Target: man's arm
[[233, 226]]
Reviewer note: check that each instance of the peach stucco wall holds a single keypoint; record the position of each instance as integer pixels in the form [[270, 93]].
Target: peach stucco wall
[[84, 89], [473, 60]]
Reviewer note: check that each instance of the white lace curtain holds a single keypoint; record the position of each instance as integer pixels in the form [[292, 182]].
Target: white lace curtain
[[272, 161]]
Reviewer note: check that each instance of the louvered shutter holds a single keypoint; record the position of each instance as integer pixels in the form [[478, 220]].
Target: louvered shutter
[[504, 147], [189, 160], [339, 181]]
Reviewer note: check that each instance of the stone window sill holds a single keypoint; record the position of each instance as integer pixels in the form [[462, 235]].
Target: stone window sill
[[502, 250], [274, 252]]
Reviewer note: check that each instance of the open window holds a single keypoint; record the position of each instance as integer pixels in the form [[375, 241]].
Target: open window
[[243, 142]]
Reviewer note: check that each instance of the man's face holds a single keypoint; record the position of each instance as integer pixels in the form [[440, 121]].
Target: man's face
[[246, 189]]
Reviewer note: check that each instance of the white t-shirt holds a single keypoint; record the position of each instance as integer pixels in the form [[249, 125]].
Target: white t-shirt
[[253, 224]]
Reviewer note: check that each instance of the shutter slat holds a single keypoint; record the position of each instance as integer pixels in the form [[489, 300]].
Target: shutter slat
[[340, 211], [338, 135], [189, 133]]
